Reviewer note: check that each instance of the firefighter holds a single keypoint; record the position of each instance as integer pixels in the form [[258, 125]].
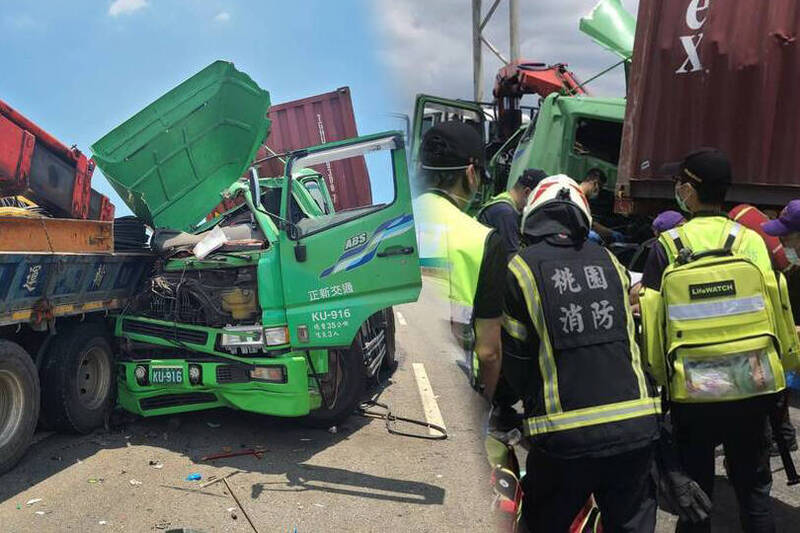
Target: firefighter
[[473, 256], [569, 351], [503, 211], [721, 372]]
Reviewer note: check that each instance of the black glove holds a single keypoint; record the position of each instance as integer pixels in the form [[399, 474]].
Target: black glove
[[685, 497]]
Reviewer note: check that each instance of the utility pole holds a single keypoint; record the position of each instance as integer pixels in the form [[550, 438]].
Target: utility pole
[[513, 28], [477, 57], [478, 24]]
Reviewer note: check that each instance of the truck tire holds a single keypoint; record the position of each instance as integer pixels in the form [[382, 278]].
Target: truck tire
[[77, 379], [344, 385], [390, 329], [19, 403]]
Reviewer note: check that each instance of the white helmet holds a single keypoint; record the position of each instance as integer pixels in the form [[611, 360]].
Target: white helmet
[[559, 188]]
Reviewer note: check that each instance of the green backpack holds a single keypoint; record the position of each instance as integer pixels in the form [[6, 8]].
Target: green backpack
[[717, 328]]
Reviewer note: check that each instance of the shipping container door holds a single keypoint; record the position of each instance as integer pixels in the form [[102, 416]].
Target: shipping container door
[[432, 110], [342, 267]]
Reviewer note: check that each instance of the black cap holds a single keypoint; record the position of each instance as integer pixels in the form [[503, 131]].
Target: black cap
[[706, 168], [451, 146], [531, 177]]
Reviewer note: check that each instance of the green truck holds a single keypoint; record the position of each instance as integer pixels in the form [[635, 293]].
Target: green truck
[[279, 306]]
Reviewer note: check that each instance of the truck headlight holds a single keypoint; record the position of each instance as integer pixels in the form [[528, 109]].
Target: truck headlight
[[276, 336], [274, 374]]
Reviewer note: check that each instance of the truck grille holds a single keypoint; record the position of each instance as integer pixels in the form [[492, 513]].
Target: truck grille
[[233, 374], [175, 400], [164, 331]]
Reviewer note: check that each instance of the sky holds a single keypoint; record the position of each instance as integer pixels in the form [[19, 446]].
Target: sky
[[427, 44], [80, 68]]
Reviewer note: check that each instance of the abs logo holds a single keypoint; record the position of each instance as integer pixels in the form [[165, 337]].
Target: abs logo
[[696, 16]]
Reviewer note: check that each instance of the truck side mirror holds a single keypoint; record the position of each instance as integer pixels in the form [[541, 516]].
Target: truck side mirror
[[255, 188]]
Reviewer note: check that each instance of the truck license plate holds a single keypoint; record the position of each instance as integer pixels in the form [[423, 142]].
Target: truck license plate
[[166, 375]]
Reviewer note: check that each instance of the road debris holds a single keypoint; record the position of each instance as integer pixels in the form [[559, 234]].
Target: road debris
[[233, 495], [194, 477], [156, 464], [215, 479], [213, 425], [135, 482], [102, 522], [163, 524], [40, 513], [257, 452], [94, 480], [333, 430], [32, 501]]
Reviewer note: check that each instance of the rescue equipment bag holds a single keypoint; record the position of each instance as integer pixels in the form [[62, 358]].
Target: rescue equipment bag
[[718, 327]]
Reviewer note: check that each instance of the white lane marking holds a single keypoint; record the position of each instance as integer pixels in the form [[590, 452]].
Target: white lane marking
[[429, 405], [401, 318]]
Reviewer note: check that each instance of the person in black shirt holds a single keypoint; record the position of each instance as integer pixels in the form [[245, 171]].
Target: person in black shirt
[[504, 211]]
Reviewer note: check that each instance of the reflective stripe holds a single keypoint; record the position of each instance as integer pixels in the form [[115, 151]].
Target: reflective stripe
[[461, 313], [636, 354], [547, 365], [591, 416], [515, 328], [703, 310]]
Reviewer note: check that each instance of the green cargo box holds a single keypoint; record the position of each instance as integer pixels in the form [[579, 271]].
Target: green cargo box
[[171, 160]]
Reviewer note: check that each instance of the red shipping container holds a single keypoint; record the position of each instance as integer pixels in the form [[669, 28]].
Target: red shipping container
[[715, 73], [316, 120]]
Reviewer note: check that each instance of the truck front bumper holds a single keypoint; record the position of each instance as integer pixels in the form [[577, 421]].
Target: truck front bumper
[[219, 385]]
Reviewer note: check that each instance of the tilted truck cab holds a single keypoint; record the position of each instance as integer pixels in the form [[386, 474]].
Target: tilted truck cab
[[290, 309]]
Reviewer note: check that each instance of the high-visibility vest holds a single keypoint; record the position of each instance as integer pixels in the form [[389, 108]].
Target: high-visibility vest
[[720, 328], [456, 242], [588, 363], [502, 198]]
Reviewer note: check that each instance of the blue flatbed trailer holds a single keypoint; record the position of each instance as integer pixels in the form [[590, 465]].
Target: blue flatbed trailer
[[60, 281]]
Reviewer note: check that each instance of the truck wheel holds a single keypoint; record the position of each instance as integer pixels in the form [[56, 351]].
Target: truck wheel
[[390, 359], [343, 386], [77, 379], [19, 403]]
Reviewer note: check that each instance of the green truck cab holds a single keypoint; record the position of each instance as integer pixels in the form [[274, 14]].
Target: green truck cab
[[280, 306]]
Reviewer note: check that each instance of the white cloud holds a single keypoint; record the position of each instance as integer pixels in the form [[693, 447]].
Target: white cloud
[[427, 45], [125, 7], [222, 16]]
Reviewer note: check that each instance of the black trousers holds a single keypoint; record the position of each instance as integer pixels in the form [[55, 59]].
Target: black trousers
[[742, 432], [786, 431], [623, 487]]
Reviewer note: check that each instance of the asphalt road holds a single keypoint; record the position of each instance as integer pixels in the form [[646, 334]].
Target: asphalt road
[[360, 478]]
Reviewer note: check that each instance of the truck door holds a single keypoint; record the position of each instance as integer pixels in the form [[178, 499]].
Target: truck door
[[340, 268], [432, 110]]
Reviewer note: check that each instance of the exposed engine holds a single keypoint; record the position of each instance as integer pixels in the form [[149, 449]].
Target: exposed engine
[[212, 298]]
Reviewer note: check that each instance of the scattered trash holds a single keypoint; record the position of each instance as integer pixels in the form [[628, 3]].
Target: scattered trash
[[34, 500], [102, 522], [40, 513], [194, 477], [94, 480], [213, 425], [19, 507], [215, 479], [305, 440], [318, 505], [135, 482], [156, 464], [439, 476], [231, 509], [333, 430], [163, 524]]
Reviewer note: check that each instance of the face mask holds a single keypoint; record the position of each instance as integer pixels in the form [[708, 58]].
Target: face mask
[[791, 256], [681, 202]]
